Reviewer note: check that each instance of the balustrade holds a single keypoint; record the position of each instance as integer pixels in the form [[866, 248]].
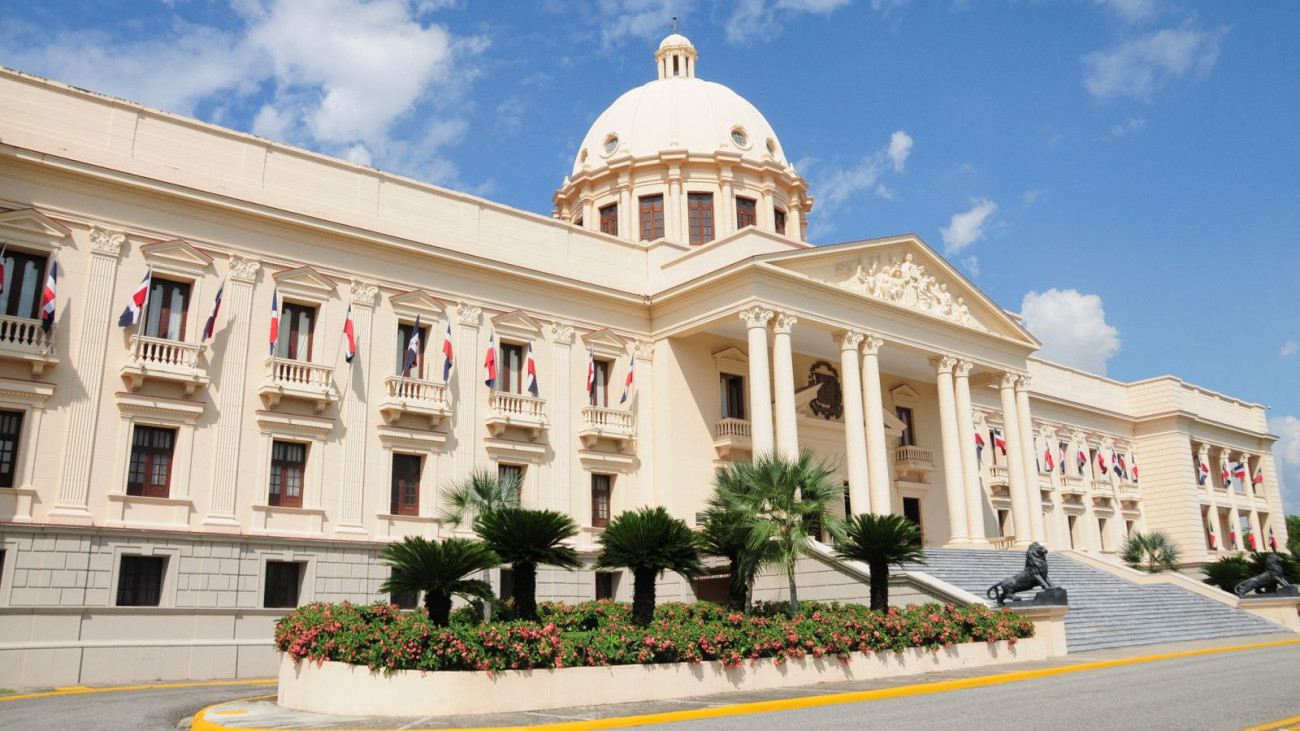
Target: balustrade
[[22, 338], [298, 379], [513, 409], [162, 359]]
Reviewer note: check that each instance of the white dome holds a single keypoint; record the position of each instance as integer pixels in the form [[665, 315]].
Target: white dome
[[676, 39]]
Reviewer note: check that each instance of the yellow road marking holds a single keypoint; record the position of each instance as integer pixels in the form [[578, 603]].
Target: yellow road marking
[[201, 723], [1286, 723], [83, 690]]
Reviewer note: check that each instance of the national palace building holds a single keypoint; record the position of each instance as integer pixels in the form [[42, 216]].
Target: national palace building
[[166, 493]]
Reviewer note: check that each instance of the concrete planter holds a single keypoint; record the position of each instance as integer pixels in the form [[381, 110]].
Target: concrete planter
[[340, 688]]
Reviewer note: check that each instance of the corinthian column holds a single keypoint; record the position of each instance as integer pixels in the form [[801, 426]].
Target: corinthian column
[[872, 406], [1034, 495], [1015, 461], [970, 466], [760, 381], [952, 467], [354, 411], [855, 436], [787, 435]]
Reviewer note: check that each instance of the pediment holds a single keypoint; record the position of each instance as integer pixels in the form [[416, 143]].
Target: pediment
[[904, 272], [177, 255], [732, 360], [305, 283], [903, 394], [417, 302], [29, 226], [605, 342], [517, 324]]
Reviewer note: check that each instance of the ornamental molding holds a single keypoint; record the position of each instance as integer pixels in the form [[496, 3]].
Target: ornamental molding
[[363, 293], [468, 313], [243, 268], [645, 349], [871, 345], [562, 333], [943, 364], [106, 241], [962, 369], [848, 339], [904, 283], [785, 322], [756, 316]]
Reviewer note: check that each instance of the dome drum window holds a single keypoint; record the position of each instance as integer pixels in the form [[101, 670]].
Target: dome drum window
[[610, 144], [739, 137], [771, 147]]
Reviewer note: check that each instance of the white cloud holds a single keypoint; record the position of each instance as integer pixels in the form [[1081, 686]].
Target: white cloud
[[1140, 67], [900, 146], [621, 20], [836, 185], [1289, 349], [967, 227], [1072, 328], [1133, 11], [1030, 197], [1133, 125], [1287, 454], [763, 20], [972, 265]]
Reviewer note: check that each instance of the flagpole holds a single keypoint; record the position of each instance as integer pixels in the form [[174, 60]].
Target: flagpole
[[144, 313]]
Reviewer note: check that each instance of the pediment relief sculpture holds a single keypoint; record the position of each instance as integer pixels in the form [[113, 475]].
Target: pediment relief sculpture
[[904, 282]]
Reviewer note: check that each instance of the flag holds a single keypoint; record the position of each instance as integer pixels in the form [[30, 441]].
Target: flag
[[490, 363], [1101, 462], [530, 372], [211, 325], [446, 355], [1121, 468], [1250, 539], [1232, 538], [1000, 441], [1272, 539], [591, 376], [275, 319], [1226, 476], [1047, 458], [131, 315], [1135, 469], [48, 297], [350, 334], [979, 444], [1258, 479], [1214, 540], [1061, 453], [412, 347], [1239, 471], [3, 249], [627, 385], [1202, 472], [1082, 459]]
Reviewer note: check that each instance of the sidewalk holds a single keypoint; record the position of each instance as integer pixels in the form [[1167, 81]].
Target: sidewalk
[[262, 712]]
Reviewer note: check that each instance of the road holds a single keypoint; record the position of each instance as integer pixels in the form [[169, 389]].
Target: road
[[158, 709]]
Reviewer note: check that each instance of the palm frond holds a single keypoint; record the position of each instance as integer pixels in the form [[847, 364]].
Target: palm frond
[[520, 535], [881, 540], [650, 539], [419, 564], [481, 492]]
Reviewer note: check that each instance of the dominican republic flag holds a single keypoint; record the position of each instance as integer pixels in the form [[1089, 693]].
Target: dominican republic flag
[[1135, 469], [1047, 459], [979, 444], [1226, 476], [48, 297], [3, 249], [1272, 540], [1000, 441], [131, 315], [412, 347], [1232, 538], [1202, 472], [1258, 479], [1082, 459], [1117, 461], [275, 319], [1214, 540], [1060, 452], [1239, 471], [1250, 539], [1101, 462], [627, 385], [350, 336], [446, 355], [490, 362], [211, 325], [591, 376], [530, 372]]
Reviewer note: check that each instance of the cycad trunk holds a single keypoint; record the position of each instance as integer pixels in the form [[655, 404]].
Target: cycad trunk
[[643, 597], [879, 585], [794, 589], [526, 590], [439, 608], [737, 589]]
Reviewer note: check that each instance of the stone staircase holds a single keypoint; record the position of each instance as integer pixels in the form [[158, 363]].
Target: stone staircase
[[1106, 611]]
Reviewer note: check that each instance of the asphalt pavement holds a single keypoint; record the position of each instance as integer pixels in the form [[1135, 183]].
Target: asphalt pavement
[[155, 709]]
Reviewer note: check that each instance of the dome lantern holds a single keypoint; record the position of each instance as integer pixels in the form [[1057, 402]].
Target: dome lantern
[[675, 58]]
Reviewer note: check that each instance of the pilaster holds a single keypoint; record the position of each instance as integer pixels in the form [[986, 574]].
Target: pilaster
[[354, 411], [561, 434], [465, 414], [643, 398], [230, 391], [1033, 494]]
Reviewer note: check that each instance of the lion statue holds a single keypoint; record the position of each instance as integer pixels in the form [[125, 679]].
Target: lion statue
[[1268, 582], [1035, 574]]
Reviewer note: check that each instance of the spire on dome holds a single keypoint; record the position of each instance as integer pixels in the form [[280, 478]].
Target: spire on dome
[[676, 56]]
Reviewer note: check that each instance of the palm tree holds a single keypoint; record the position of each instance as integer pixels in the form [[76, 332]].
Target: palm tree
[[725, 533], [527, 539], [648, 542], [438, 570], [879, 541], [479, 493], [1151, 552], [784, 502]]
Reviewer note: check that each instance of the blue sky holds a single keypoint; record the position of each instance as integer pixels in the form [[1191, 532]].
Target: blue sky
[[1122, 171]]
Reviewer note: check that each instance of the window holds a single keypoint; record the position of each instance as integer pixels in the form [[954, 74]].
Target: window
[[283, 583], [603, 368], [605, 583], [11, 427], [908, 437], [514, 473], [746, 212], [24, 281], [848, 501], [912, 511], [139, 581], [168, 303], [507, 584], [652, 217], [296, 325], [404, 331], [577, 220], [512, 368], [609, 219], [778, 221], [611, 144], [733, 396], [288, 465], [699, 208], [406, 484], [600, 494], [405, 599], [150, 474], [739, 137]]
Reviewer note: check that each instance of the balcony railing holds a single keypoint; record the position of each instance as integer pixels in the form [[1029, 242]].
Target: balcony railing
[[1130, 493], [604, 423], [1072, 486], [168, 360], [999, 476], [513, 409], [910, 460], [22, 338], [298, 379], [730, 434], [416, 397]]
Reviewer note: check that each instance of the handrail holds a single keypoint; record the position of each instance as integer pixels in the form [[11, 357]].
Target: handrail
[[731, 428], [599, 417], [150, 351]]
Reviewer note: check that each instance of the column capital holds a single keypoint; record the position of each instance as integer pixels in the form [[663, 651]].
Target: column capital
[[363, 293], [468, 313], [963, 368], [785, 323], [561, 333], [1022, 382], [243, 268], [106, 241], [848, 339], [871, 345], [943, 364], [1008, 380], [644, 349], [756, 316]]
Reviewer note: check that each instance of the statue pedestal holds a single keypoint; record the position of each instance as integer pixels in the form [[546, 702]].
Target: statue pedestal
[[1049, 622], [1046, 597], [1277, 607]]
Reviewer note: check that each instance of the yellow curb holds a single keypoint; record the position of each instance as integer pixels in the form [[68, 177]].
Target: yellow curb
[[83, 690], [1286, 723], [201, 723]]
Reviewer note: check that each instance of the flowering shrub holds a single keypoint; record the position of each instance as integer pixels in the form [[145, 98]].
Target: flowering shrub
[[601, 633]]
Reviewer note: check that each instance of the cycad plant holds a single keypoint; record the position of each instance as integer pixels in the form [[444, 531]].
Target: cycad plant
[[1227, 572], [1150, 552], [438, 570], [880, 541], [479, 493], [526, 539], [649, 542]]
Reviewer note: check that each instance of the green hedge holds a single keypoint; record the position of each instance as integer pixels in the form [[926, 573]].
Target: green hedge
[[601, 633]]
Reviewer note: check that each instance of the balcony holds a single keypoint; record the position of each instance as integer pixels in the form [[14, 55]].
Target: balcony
[[164, 360], [1102, 491], [999, 476], [602, 423], [23, 339], [1130, 494], [512, 409], [913, 461], [1045, 482], [1072, 487], [298, 379], [731, 434], [414, 397]]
